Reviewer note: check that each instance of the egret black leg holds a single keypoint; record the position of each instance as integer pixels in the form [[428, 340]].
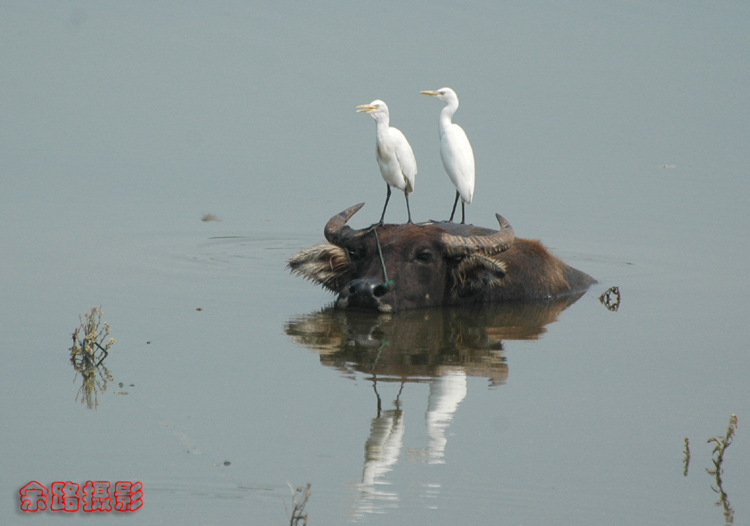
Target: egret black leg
[[463, 213], [454, 207], [387, 197], [408, 211]]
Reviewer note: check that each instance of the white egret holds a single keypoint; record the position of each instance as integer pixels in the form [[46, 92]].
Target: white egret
[[455, 150], [394, 154]]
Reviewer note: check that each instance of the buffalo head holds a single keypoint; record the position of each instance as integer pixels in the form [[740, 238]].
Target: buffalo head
[[396, 267]]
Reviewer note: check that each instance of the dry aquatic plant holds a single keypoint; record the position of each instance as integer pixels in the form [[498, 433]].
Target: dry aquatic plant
[[94, 333], [722, 443], [300, 496], [91, 345], [686, 460]]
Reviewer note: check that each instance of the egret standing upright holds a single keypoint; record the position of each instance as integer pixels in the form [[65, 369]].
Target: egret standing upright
[[455, 150], [394, 154]]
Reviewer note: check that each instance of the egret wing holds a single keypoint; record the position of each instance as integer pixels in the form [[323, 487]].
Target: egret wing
[[406, 159], [458, 159]]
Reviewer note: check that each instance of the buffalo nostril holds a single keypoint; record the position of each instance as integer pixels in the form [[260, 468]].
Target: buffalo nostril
[[362, 287], [380, 291]]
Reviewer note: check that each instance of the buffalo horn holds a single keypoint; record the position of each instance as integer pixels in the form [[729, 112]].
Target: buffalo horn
[[489, 245], [334, 230]]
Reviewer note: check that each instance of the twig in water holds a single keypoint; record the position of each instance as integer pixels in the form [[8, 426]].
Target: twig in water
[[300, 496]]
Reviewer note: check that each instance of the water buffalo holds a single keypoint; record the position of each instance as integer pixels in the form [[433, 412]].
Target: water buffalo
[[395, 267]]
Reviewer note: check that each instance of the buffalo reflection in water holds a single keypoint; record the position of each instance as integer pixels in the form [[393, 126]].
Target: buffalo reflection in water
[[416, 345], [436, 346]]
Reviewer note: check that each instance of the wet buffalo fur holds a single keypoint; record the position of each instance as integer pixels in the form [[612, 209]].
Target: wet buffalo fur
[[324, 264]]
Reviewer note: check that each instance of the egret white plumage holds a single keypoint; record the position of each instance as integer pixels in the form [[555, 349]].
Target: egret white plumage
[[396, 160], [455, 150]]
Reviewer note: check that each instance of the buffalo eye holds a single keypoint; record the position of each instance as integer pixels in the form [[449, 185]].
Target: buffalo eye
[[355, 254], [424, 256]]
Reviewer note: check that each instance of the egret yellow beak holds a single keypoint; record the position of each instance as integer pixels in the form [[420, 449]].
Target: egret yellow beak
[[431, 93], [366, 108]]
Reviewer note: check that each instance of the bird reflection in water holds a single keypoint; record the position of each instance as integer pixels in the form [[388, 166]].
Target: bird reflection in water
[[441, 347], [382, 449]]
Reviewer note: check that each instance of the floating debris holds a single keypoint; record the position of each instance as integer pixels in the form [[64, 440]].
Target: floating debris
[[611, 299], [209, 217]]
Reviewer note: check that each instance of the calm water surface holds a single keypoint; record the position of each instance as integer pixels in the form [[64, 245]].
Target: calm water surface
[[618, 135]]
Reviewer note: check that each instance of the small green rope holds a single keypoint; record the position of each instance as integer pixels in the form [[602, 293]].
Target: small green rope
[[383, 344], [386, 282]]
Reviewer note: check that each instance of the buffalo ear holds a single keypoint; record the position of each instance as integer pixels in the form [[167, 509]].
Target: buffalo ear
[[476, 273], [325, 264]]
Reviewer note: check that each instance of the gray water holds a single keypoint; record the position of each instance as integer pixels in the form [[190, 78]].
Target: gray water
[[615, 133]]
